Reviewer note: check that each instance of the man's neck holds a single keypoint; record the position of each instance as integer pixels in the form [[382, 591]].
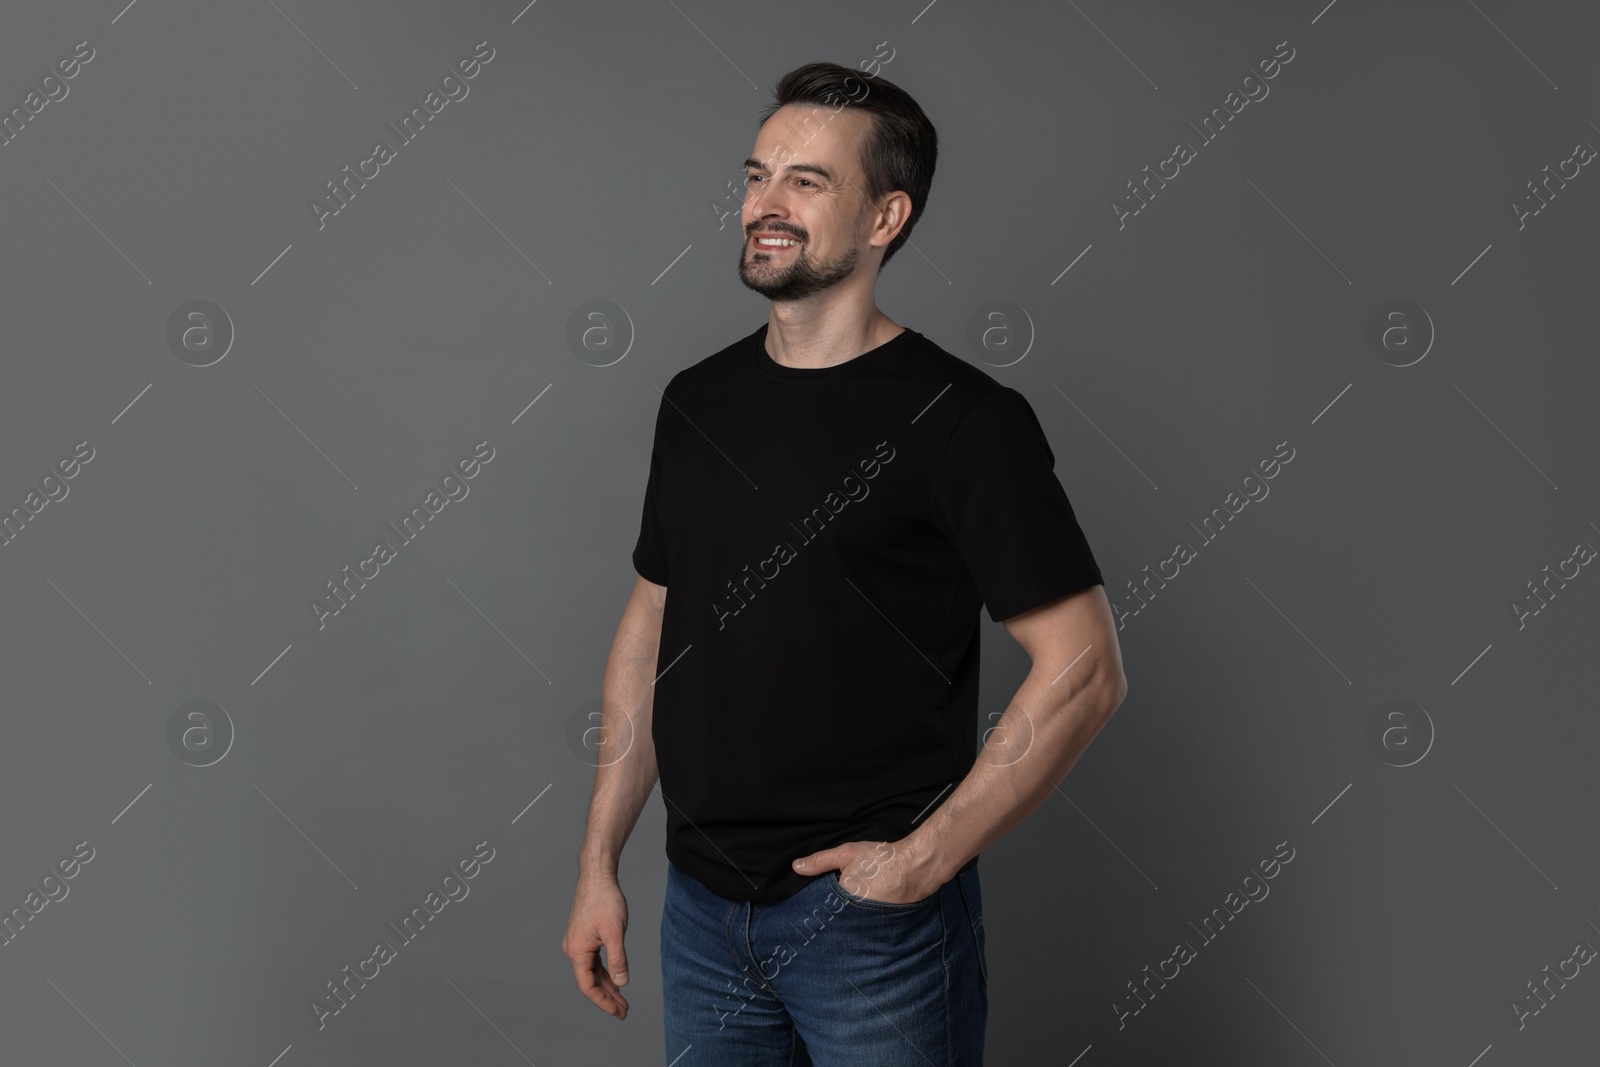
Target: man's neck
[[813, 338]]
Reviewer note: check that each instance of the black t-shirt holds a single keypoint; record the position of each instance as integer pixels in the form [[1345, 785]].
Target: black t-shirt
[[826, 537]]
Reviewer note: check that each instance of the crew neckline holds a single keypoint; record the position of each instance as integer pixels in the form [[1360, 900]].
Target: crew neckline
[[849, 367]]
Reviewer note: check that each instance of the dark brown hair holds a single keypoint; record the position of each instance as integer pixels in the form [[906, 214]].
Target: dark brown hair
[[902, 147]]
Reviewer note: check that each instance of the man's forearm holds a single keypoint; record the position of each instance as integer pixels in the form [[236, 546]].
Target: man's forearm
[[626, 755], [1036, 742]]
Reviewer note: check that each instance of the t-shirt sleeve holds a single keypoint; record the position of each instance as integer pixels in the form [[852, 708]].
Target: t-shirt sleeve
[[650, 551], [996, 495]]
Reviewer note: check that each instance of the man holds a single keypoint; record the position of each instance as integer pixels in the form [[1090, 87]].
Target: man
[[831, 499]]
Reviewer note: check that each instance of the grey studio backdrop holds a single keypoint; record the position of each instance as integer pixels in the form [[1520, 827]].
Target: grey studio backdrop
[[1346, 814]]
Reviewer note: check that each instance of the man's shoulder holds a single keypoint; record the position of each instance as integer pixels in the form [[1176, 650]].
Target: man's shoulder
[[958, 386], [926, 358]]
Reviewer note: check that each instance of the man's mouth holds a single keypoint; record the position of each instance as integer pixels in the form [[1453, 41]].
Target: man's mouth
[[776, 242]]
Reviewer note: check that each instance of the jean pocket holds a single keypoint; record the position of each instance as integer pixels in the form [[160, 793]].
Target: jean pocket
[[875, 905]]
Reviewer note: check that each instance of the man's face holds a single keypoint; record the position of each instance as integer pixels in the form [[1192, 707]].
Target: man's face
[[804, 183]]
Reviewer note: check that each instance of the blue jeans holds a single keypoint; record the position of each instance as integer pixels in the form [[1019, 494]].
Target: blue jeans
[[826, 978]]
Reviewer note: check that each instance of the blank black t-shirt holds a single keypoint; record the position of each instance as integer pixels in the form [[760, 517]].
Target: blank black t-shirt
[[826, 537]]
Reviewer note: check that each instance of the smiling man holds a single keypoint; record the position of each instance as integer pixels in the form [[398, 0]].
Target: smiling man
[[831, 500]]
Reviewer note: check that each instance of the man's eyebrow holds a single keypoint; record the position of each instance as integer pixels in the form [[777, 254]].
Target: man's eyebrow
[[801, 168]]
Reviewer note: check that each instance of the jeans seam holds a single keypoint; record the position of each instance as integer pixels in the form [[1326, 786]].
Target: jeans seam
[[749, 921], [944, 958], [727, 934], [974, 924]]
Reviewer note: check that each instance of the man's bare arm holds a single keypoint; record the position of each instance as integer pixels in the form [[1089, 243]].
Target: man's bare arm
[[626, 754], [626, 773], [1074, 686]]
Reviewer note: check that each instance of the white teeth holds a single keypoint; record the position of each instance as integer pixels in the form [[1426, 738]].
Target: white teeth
[[778, 241]]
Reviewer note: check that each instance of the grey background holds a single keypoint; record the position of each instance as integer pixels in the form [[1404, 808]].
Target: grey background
[[1228, 316]]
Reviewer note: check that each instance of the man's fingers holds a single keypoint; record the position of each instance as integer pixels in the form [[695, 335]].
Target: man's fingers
[[605, 994], [616, 959], [607, 999], [598, 922], [595, 984], [593, 981]]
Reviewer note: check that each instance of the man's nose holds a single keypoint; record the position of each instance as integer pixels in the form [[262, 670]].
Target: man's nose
[[767, 201]]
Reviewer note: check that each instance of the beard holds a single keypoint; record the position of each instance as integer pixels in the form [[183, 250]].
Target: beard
[[801, 277]]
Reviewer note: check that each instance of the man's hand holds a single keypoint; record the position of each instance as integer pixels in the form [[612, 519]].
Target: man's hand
[[599, 918], [892, 872]]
